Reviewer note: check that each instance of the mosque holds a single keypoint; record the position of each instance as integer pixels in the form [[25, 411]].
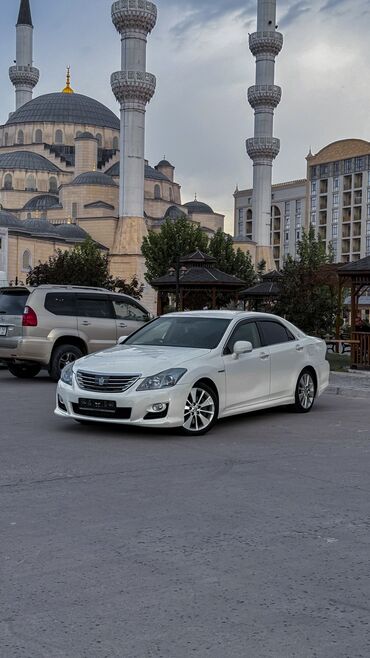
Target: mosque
[[62, 154]]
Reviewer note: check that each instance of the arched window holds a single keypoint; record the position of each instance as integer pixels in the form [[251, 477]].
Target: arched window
[[53, 184], [38, 136], [31, 183], [115, 143], [79, 133], [74, 210], [26, 261], [58, 137], [20, 137], [8, 182], [6, 138], [99, 138], [170, 193], [44, 215], [29, 215], [157, 192]]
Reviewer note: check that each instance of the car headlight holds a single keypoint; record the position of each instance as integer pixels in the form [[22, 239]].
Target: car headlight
[[67, 374], [165, 379]]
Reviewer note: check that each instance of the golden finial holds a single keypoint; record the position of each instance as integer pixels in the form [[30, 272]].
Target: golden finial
[[68, 89]]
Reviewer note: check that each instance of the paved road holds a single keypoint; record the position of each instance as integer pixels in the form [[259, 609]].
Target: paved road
[[252, 542]]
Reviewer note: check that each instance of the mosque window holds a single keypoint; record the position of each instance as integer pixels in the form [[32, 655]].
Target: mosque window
[[171, 194], [26, 261], [6, 138], [79, 133], [99, 138], [157, 192], [8, 182], [115, 143], [31, 183], [20, 137], [58, 137], [29, 216], [74, 210], [38, 136], [53, 184]]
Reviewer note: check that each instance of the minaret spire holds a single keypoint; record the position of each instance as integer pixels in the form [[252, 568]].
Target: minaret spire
[[264, 97], [24, 75]]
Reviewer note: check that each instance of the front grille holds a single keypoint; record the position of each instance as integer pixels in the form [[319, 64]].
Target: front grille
[[105, 383], [120, 413]]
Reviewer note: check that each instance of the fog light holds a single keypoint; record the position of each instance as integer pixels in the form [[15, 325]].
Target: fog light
[[157, 408], [61, 404]]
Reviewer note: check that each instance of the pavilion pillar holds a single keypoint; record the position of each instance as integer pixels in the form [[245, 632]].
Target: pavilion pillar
[[214, 300]]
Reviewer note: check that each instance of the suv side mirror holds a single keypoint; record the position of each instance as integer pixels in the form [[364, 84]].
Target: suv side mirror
[[242, 347], [121, 340]]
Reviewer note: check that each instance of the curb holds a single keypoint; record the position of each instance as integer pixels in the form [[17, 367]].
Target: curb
[[349, 392]]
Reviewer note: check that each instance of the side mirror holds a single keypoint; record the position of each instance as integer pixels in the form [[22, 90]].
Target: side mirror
[[121, 340], [242, 347]]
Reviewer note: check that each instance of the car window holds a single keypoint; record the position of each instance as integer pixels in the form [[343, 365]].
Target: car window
[[127, 310], [61, 303], [275, 333], [244, 331], [204, 333], [12, 302], [98, 306]]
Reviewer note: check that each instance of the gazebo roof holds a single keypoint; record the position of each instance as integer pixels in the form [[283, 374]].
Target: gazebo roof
[[361, 266], [198, 257], [268, 287], [199, 276]]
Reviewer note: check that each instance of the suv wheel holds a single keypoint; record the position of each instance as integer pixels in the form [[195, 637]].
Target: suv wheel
[[23, 371], [61, 357]]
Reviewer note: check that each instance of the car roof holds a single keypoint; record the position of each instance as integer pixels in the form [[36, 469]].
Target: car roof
[[228, 315]]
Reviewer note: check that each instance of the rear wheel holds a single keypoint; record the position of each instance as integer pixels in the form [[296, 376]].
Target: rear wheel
[[24, 371], [305, 392], [62, 357], [201, 410]]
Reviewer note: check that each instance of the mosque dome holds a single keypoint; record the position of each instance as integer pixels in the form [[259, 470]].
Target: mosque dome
[[71, 231], [150, 172], [42, 202], [175, 213], [26, 160], [65, 108], [8, 220], [165, 163], [94, 178], [40, 226], [198, 208]]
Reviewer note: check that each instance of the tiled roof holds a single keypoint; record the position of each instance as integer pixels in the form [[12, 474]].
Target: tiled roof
[[198, 208], [362, 265], [26, 160], [94, 178], [24, 16], [343, 148], [42, 202]]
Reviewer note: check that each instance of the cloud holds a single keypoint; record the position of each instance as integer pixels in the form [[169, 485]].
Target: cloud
[[294, 13]]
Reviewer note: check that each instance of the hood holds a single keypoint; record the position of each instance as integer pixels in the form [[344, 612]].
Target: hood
[[138, 359]]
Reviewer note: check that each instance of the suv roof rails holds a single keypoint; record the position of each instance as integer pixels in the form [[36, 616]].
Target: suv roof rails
[[70, 287]]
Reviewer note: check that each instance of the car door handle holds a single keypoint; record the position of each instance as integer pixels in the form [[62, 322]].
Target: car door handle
[[86, 323], [264, 356], [299, 348], [122, 324]]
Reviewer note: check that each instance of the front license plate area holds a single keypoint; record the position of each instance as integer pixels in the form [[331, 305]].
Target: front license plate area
[[3, 331], [97, 405]]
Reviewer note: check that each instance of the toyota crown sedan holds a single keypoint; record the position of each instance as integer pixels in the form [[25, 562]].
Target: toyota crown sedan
[[186, 370]]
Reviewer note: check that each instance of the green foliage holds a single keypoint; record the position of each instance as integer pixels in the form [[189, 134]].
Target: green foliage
[[160, 249], [230, 261], [84, 265], [261, 267], [307, 298]]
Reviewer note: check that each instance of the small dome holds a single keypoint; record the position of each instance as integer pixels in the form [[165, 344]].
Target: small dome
[[94, 178], [150, 173], [165, 163], [42, 202], [26, 160], [198, 208], [173, 212], [40, 226], [8, 220], [72, 231], [86, 135]]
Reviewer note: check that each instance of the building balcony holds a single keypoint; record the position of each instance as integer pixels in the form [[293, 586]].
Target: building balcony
[[264, 96], [266, 43]]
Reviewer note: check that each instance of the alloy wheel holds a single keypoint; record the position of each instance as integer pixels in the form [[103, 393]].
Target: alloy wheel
[[306, 391], [65, 359], [200, 410]]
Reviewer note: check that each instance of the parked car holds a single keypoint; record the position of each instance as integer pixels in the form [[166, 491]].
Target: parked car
[[189, 369], [52, 326]]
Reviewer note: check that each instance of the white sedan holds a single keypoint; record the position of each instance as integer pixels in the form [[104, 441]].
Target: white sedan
[[189, 369]]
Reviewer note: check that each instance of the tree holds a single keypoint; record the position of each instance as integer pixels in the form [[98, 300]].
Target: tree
[[307, 298], [237, 263], [84, 265], [175, 239]]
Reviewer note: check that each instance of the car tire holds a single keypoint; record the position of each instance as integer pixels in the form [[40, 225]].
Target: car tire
[[62, 356], [201, 410], [24, 371], [305, 392]]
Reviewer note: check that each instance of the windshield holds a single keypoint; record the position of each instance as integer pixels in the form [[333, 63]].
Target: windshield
[[203, 333], [13, 302]]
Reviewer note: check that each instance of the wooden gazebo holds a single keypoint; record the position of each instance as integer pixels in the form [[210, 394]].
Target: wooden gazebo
[[265, 293], [356, 276], [196, 275]]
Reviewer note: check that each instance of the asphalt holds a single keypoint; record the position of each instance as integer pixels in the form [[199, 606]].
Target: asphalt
[[251, 542]]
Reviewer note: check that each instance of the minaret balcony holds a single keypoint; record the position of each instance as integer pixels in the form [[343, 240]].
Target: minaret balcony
[[264, 96], [134, 15], [263, 148], [133, 86], [266, 43], [24, 75]]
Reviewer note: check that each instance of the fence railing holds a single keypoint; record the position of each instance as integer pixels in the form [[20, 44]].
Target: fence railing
[[361, 350]]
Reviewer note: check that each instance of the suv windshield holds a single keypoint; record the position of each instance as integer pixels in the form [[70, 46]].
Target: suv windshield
[[12, 302], [203, 333]]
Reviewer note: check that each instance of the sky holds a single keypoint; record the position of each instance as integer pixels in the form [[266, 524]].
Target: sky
[[199, 117]]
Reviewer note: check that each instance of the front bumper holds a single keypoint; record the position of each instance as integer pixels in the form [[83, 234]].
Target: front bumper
[[140, 403]]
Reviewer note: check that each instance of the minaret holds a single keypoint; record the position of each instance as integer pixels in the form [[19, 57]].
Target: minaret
[[264, 97], [133, 87], [23, 75]]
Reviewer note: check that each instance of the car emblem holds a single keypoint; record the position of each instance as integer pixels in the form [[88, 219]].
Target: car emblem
[[100, 381]]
